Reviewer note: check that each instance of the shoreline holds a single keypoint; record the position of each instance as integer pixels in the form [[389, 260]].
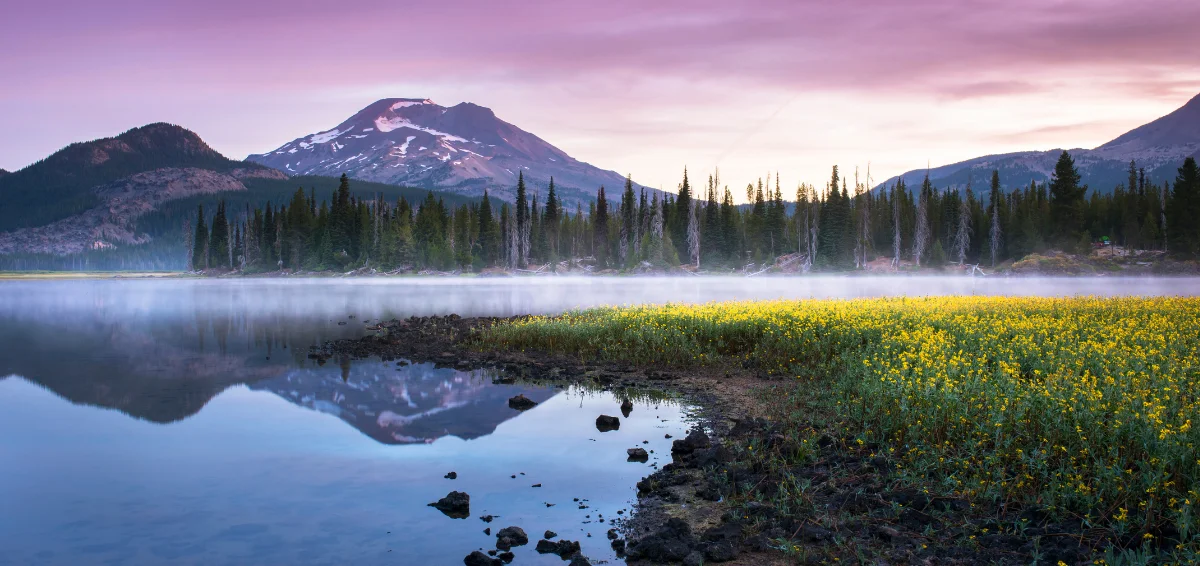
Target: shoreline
[[751, 484]]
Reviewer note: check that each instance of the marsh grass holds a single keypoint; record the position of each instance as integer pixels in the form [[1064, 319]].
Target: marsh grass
[[1079, 407]]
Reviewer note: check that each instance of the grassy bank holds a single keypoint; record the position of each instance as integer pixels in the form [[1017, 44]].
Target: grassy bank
[[1080, 408]]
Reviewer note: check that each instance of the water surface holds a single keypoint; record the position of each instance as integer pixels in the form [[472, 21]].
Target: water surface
[[180, 421]]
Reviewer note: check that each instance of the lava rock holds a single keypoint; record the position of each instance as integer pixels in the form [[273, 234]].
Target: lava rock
[[521, 403], [549, 535], [478, 558], [451, 476], [506, 557], [695, 440], [486, 518], [456, 505], [605, 423], [637, 455], [509, 537], [672, 543], [580, 560], [563, 548]]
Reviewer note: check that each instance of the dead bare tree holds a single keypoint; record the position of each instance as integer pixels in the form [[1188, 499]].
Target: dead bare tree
[[921, 238], [896, 196], [693, 234], [962, 236], [514, 244], [188, 236], [994, 233]]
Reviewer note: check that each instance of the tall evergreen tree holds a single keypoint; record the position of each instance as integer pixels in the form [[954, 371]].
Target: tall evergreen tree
[[1066, 200], [1184, 210], [600, 230], [218, 240], [200, 242]]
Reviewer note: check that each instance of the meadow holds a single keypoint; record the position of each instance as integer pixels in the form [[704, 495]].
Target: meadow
[[1081, 407]]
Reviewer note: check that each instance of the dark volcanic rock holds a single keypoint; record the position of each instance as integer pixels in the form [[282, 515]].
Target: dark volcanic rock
[[478, 558], [563, 548], [626, 408], [637, 455], [509, 537], [451, 476], [456, 505], [522, 403], [672, 543], [695, 440], [605, 423], [580, 560], [549, 535]]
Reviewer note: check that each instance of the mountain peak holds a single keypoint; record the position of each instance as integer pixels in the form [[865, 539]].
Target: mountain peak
[[415, 142]]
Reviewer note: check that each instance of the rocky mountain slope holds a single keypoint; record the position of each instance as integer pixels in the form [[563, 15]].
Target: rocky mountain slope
[[112, 222], [461, 149], [89, 195], [1159, 146], [62, 184]]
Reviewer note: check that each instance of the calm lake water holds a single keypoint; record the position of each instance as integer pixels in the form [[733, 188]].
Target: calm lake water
[[180, 421]]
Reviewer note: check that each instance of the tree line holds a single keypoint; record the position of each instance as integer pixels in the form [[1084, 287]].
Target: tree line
[[838, 227]]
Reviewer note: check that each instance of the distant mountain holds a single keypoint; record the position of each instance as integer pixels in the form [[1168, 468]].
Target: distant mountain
[[61, 185], [1159, 146], [462, 149], [88, 196]]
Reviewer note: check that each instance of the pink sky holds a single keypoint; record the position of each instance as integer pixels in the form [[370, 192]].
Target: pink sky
[[639, 87]]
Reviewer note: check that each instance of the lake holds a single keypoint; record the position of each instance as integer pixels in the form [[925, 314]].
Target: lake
[[180, 421]]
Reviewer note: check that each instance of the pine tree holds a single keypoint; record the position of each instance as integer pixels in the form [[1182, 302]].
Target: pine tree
[[218, 240], [489, 234], [1184, 210], [994, 201], [600, 230], [551, 217], [522, 218], [200, 242], [628, 232], [680, 213], [1066, 200]]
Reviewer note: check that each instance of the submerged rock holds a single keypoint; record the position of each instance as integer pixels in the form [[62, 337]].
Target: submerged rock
[[456, 505], [605, 423], [509, 537], [580, 560], [521, 403], [563, 548], [478, 558], [638, 455]]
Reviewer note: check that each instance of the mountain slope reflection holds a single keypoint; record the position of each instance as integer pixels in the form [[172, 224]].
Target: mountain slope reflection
[[403, 404]]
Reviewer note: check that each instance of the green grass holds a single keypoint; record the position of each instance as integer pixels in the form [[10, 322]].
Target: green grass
[[1080, 407]]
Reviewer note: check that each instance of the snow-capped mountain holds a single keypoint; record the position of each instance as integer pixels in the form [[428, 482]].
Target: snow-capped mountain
[[461, 149], [1159, 146]]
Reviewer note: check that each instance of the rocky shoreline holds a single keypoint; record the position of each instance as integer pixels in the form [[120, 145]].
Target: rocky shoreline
[[749, 485]]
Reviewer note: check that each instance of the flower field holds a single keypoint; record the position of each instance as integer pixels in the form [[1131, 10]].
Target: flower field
[[1082, 407]]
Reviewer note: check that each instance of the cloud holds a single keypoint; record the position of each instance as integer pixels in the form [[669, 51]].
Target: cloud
[[604, 77]]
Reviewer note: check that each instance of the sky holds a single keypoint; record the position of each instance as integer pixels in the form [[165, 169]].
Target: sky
[[644, 88]]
